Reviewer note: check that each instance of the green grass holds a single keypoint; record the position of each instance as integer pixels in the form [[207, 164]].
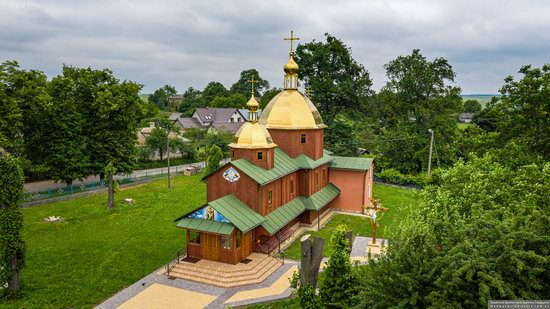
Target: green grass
[[96, 252], [463, 126], [396, 199]]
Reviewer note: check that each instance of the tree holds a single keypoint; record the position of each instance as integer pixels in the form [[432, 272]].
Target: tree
[[337, 80], [235, 100], [10, 122], [157, 140], [192, 98], [417, 97], [339, 288], [214, 157], [472, 106], [213, 90], [481, 234], [523, 111], [268, 95], [67, 157], [220, 138], [110, 172], [161, 96], [242, 86], [185, 148], [12, 245], [339, 138]]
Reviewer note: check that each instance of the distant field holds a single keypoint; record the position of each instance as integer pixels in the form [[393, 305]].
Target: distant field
[[482, 98], [144, 96]]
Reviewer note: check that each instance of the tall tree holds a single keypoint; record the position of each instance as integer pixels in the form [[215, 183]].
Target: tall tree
[[110, 172], [523, 111], [481, 234], [192, 98], [12, 245], [337, 80], [213, 161], [67, 157], [235, 100], [418, 96], [242, 86], [157, 140], [161, 96], [213, 90], [339, 138], [472, 106]]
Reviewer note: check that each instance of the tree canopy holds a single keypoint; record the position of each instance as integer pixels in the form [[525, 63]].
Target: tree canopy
[[472, 106], [242, 86], [161, 96], [338, 82]]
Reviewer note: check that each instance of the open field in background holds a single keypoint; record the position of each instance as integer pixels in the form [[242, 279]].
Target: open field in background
[[399, 201], [482, 98], [95, 252]]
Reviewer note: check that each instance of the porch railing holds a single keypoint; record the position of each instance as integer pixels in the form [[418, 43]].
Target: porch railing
[[176, 258]]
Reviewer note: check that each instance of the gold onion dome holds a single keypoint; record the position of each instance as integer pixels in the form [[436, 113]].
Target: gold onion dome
[[252, 104], [291, 67], [291, 110], [252, 135]]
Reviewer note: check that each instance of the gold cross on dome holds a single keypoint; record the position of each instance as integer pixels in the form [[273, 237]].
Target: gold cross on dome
[[291, 38], [252, 81]]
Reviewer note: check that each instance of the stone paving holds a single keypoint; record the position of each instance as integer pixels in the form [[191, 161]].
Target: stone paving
[[157, 291]]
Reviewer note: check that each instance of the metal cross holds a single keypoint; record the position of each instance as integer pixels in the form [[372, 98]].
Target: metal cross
[[252, 81], [291, 38]]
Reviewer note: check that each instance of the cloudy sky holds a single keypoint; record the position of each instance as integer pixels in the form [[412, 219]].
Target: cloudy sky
[[189, 43]]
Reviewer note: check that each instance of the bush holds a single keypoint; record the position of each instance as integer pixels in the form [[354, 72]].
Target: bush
[[393, 176]]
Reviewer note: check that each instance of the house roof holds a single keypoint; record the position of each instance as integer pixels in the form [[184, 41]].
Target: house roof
[[238, 213], [232, 127], [174, 116], [351, 163], [207, 114], [209, 226], [188, 122]]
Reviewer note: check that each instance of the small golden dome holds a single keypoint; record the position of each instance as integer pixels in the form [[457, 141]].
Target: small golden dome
[[252, 135], [291, 67], [252, 103], [291, 110]]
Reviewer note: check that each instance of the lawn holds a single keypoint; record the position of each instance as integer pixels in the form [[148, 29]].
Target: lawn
[[96, 252], [398, 200]]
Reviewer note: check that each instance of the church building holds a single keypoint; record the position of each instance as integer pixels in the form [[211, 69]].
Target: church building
[[279, 177]]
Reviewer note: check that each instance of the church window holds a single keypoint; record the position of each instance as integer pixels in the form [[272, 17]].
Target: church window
[[316, 180], [260, 155], [194, 237], [303, 139], [226, 242], [325, 176], [292, 186], [238, 239], [269, 198]]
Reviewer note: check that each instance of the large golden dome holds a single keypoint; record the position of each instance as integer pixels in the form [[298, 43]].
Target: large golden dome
[[290, 110], [252, 135]]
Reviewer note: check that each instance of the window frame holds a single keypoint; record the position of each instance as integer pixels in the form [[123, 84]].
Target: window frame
[[260, 155], [269, 198], [226, 240], [303, 138]]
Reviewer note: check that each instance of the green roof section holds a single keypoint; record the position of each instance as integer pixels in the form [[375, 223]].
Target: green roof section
[[281, 216], [209, 226], [284, 165], [322, 197], [306, 162], [351, 163], [237, 212]]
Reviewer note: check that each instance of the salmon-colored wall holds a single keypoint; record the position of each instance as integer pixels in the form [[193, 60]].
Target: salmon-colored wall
[[251, 155], [290, 142], [245, 189], [323, 179], [356, 189]]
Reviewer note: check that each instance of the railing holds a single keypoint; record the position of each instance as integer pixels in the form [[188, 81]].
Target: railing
[[269, 246], [176, 258]]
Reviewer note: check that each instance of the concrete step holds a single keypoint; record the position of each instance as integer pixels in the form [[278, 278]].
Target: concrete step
[[219, 279], [228, 273]]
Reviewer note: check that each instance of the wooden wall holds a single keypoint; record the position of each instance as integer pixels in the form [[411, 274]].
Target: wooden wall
[[290, 142], [251, 155], [245, 189]]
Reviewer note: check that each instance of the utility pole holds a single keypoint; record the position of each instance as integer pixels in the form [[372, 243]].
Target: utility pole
[[168, 153], [430, 155]]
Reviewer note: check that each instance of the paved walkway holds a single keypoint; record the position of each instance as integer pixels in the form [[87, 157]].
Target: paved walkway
[[157, 291]]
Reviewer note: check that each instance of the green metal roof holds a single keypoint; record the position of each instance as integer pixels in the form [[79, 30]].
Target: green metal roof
[[209, 226], [284, 165], [306, 162], [238, 213], [351, 163], [322, 197], [281, 216]]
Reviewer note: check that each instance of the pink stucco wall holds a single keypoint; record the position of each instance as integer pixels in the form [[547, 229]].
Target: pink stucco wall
[[356, 189]]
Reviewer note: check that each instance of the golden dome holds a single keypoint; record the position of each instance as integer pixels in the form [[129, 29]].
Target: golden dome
[[291, 67], [252, 135], [291, 110], [252, 104]]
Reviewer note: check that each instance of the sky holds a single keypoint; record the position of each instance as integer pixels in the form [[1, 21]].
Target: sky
[[190, 43]]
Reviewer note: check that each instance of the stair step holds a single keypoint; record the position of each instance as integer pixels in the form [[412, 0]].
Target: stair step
[[226, 273]]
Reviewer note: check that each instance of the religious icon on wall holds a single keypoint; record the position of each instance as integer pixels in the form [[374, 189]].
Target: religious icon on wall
[[208, 213], [231, 175]]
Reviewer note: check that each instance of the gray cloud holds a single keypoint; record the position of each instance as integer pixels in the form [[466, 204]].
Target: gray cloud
[[189, 43]]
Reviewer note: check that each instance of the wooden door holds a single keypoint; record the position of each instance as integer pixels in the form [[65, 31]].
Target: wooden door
[[246, 245], [210, 247]]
